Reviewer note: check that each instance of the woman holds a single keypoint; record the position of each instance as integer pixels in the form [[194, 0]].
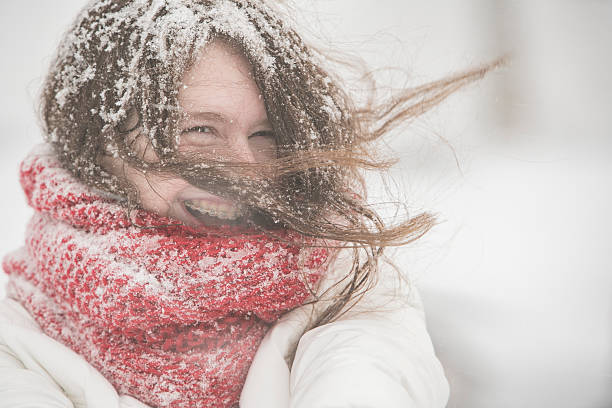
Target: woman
[[181, 125]]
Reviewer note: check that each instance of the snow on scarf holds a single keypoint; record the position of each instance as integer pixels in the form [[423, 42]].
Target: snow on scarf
[[168, 314]]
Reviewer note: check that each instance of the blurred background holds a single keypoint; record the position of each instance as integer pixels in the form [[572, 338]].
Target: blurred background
[[515, 278]]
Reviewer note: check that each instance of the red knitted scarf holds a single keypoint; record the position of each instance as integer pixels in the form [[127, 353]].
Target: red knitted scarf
[[168, 314]]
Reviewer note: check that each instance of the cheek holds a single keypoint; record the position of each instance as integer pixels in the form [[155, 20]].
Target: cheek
[[157, 194], [141, 145], [264, 149]]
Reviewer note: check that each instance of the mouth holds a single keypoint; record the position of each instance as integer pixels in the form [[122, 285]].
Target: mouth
[[214, 213]]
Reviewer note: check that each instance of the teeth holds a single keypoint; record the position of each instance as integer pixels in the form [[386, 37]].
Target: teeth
[[222, 211]]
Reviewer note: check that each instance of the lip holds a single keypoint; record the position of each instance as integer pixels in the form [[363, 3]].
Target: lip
[[194, 221]]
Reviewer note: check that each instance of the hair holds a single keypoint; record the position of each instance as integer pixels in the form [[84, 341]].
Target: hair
[[124, 60]]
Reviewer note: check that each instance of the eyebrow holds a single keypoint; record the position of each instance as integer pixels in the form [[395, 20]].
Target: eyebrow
[[208, 116], [220, 118]]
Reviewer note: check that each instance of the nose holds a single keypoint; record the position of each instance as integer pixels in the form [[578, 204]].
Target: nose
[[240, 150]]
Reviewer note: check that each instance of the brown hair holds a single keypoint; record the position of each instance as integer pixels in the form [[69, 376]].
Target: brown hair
[[129, 56]]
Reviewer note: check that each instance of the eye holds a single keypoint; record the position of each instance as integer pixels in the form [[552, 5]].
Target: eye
[[263, 133], [199, 129], [200, 135]]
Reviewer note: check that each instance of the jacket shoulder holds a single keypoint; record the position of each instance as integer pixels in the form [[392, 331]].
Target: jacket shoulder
[[378, 353]]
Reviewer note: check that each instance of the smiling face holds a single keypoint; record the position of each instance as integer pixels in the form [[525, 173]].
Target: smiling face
[[224, 119]]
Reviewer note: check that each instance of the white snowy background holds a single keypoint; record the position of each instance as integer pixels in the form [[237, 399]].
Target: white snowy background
[[516, 278]]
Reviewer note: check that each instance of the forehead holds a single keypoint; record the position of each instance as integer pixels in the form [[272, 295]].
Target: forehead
[[220, 71]]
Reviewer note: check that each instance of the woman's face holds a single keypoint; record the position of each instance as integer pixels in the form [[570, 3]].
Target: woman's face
[[225, 119]]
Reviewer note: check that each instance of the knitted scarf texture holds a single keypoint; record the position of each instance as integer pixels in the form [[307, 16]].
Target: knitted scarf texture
[[168, 314]]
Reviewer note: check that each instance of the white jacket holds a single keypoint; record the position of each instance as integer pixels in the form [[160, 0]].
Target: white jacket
[[378, 355]]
